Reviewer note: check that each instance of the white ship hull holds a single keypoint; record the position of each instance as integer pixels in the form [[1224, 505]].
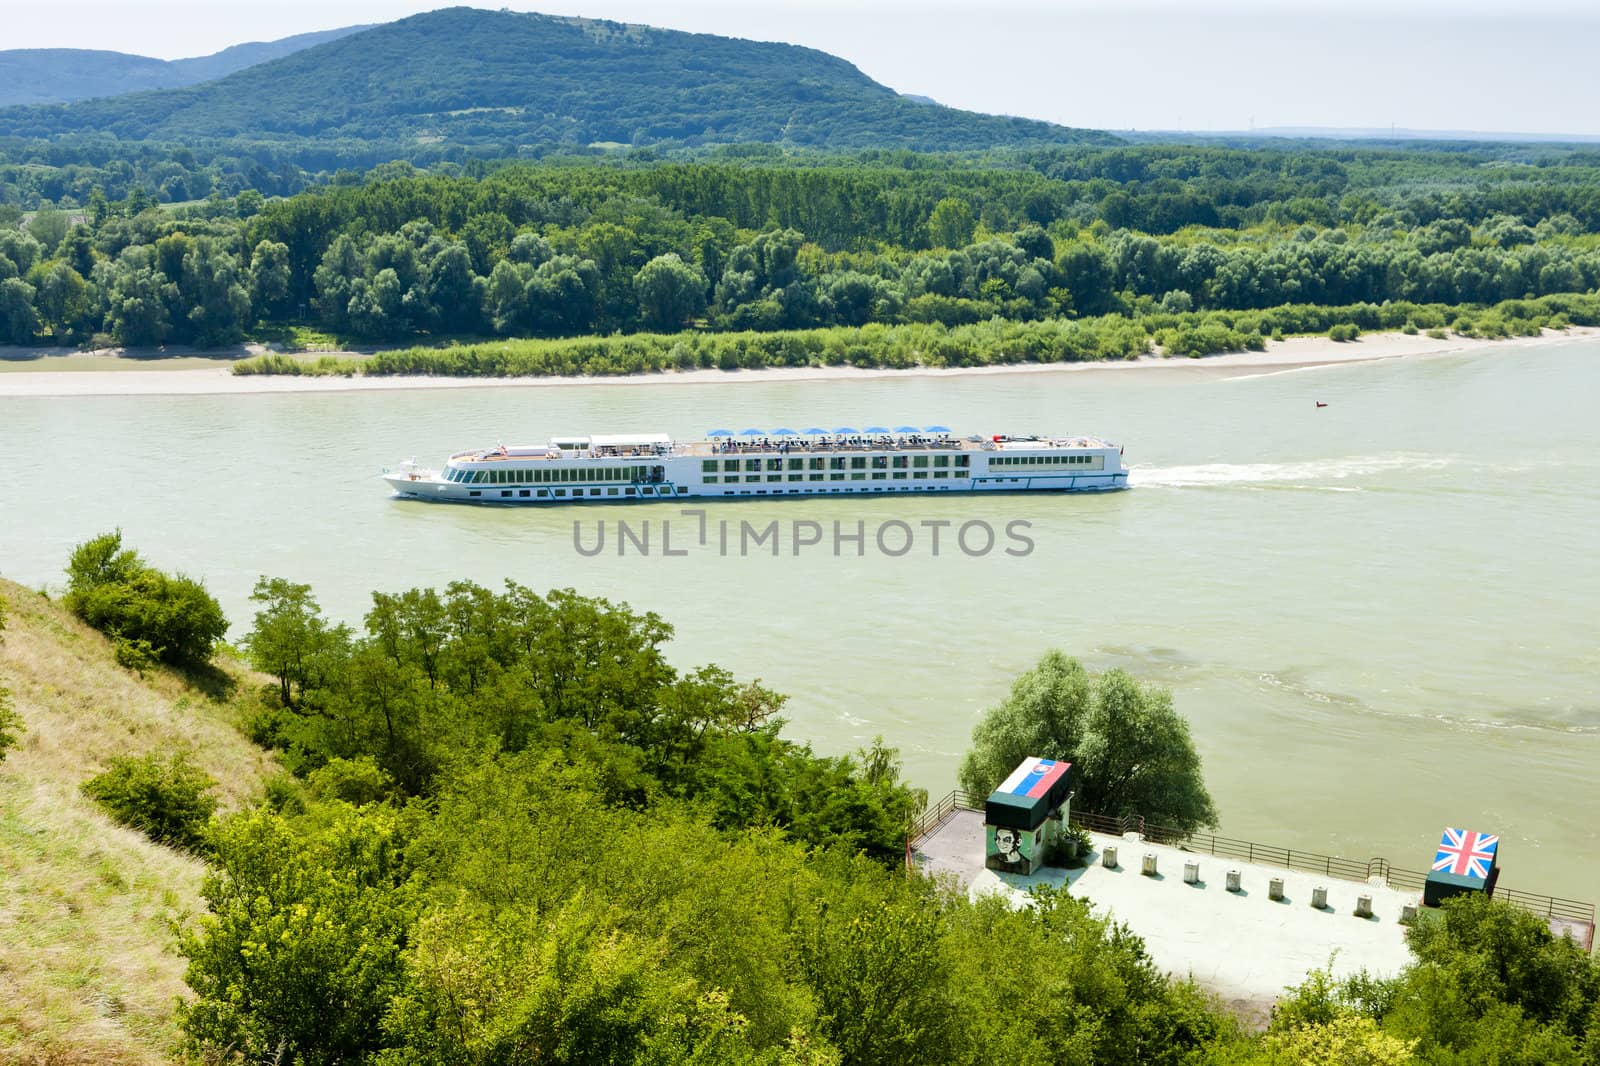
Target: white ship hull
[[618, 469]]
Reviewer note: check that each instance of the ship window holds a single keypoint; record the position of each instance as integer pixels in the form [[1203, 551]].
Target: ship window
[[920, 474], [941, 460], [941, 473], [609, 492], [835, 477], [814, 477], [709, 466], [730, 464], [561, 492], [731, 479], [876, 476], [594, 492], [797, 464], [710, 479], [629, 492], [963, 460], [774, 464], [505, 492], [836, 463], [474, 492], [900, 475], [900, 461], [862, 476], [774, 477], [752, 464], [544, 492], [818, 463], [858, 463], [961, 473], [919, 460]]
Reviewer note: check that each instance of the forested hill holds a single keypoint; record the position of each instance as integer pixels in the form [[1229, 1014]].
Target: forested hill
[[54, 75], [463, 76]]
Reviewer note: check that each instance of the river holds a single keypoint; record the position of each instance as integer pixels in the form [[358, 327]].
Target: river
[[1379, 616]]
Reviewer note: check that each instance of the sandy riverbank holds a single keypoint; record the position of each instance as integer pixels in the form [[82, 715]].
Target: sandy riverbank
[[80, 374]]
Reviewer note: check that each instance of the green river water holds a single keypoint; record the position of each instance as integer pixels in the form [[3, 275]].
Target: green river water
[[1380, 617]]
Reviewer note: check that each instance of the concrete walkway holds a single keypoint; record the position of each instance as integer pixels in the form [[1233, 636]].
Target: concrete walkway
[[1242, 945]]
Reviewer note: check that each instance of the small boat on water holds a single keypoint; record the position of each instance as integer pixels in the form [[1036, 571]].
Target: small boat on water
[[781, 462]]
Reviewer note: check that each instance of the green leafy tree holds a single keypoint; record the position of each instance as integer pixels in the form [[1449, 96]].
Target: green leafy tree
[[951, 224], [270, 278], [303, 946], [19, 322], [292, 641], [671, 293], [168, 800], [1131, 751], [112, 589], [49, 227]]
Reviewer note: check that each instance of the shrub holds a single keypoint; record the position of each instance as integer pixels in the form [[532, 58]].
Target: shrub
[[168, 800], [173, 617]]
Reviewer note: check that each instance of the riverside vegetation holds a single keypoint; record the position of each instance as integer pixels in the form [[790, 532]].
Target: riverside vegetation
[[882, 259], [506, 830]]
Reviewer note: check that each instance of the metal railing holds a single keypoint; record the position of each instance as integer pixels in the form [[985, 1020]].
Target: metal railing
[[1376, 869]]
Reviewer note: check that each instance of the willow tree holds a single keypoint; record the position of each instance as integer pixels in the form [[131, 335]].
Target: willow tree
[[1130, 749]]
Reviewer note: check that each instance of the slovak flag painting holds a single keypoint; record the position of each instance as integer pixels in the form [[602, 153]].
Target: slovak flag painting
[[1034, 777], [1465, 853]]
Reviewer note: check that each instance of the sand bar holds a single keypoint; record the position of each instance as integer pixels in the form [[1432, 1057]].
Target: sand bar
[[81, 374]]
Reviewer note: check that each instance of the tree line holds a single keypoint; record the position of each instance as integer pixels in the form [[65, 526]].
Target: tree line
[[566, 251]]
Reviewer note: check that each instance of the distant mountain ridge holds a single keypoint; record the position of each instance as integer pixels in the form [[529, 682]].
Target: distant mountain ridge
[[506, 81], [60, 75]]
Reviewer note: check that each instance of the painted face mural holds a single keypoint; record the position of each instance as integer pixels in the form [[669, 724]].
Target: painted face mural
[[1006, 850]]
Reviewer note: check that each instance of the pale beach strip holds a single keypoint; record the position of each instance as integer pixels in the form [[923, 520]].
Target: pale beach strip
[[100, 374]]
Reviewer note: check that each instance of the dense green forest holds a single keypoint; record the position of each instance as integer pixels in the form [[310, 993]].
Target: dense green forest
[[511, 831], [469, 77], [1107, 251]]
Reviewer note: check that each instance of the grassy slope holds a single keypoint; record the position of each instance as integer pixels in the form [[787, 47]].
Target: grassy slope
[[87, 967]]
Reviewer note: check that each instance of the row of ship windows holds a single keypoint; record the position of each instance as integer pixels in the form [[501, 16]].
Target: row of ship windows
[[837, 462], [548, 476], [544, 494], [1042, 460], [860, 475]]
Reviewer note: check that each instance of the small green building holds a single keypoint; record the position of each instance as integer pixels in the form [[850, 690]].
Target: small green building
[[1025, 817]]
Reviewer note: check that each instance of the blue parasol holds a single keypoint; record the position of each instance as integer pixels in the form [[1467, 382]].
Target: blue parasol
[[846, 429], [876, 429], [720, 433], [937, 429], [784, 433], [753, 433], [907, 429], [815, 431]]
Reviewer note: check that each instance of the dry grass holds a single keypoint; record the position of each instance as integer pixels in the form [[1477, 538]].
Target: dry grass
[[88, 971]]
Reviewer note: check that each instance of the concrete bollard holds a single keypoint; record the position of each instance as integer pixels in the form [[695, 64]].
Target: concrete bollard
[[1275, 888], [1363, 906], [1108, 858], [1233, 880], [1191, 873], [1408, 913], [1319, 898], [1149, 867]]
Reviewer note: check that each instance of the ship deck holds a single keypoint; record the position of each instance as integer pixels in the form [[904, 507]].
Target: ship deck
[[756, 448]]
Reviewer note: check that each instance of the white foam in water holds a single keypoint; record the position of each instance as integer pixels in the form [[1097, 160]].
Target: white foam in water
[[1311, 472]]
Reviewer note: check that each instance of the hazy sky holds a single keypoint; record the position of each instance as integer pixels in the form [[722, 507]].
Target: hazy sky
[[1148, 64]]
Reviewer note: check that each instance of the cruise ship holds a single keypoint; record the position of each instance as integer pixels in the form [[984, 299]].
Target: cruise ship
[[754, 462]]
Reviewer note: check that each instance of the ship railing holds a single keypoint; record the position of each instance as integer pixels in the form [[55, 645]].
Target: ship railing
[[1376, 870]]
